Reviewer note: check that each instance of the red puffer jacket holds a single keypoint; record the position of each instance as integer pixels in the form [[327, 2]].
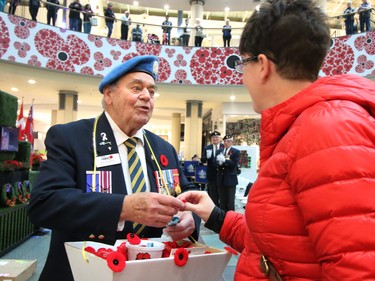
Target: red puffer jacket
[[312, 209]]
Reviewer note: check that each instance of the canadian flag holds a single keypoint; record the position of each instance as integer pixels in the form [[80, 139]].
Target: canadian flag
[[20, 124], [29, 128]]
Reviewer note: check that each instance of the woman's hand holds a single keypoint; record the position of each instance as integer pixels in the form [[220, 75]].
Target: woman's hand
[[198, 202]]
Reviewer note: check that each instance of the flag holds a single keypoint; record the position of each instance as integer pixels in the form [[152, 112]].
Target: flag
[[29, 130], [20, 124]]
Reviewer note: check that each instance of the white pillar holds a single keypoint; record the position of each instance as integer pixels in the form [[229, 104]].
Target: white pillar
[[196, 8]]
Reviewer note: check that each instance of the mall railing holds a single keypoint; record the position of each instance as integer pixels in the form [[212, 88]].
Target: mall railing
[[152, 33]]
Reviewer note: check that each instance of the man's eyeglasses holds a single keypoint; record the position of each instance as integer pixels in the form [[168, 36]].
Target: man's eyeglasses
[[240, 63]]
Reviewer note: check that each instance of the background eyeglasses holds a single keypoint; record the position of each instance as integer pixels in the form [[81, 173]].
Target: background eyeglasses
[[239, 64]]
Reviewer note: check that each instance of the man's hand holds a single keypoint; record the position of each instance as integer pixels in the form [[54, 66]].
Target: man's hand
[[183, 229], [150, 208]]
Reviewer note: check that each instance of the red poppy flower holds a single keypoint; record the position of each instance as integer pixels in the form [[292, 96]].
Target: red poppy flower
[[90, 250], [181, 256], [103, 252], [163, 160], [231, 250], [116, 261], [133, 239], [122, 248], [143, 256]]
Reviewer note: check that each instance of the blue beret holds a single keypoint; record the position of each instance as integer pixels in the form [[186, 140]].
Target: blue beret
[[146, 64]]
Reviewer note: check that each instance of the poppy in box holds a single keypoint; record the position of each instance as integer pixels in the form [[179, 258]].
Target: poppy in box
[[116, 261], [181, 256], [133, 239]]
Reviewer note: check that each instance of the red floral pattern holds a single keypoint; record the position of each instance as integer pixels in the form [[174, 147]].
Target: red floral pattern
[[366, 42], [101, 61], [22, 48], [34, 61], [215, 66], [96, 39], [4, 38], [62, 54], [339, 59], [363, 64], [36, 44], [22, 26]]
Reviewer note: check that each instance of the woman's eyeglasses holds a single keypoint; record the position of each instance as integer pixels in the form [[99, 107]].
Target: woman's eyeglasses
[[239, 64]]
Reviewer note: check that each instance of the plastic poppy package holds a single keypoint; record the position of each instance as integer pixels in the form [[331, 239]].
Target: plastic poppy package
[[137, 259]]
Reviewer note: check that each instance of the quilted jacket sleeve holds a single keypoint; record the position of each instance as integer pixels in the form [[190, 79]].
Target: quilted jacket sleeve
[[333, 178]]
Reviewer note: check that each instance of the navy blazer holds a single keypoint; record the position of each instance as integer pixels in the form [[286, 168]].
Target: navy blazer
[[211, 162], [59, 200], [227, 173]]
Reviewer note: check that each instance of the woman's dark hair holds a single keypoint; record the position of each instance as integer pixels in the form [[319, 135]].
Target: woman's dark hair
[[292, 33]]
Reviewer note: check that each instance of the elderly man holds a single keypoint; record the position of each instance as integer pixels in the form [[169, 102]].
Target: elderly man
[[87, 188], [228, 160], [209, 158]]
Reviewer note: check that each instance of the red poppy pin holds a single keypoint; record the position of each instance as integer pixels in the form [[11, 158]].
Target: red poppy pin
[[133, 239], [231, 250], [116, 261], [181, 256], [163, 160]]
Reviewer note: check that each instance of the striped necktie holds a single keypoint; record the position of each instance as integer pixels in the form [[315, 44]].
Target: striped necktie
[[136, 175], [135, 168]]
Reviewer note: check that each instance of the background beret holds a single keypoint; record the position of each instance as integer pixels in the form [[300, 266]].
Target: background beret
[[146, 64], [215, 133]]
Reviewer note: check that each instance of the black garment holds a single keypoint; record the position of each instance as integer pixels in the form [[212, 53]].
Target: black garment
[[75, 10], [52, 11], [124, 31], [34, 8], [109, 16], [216, 220]]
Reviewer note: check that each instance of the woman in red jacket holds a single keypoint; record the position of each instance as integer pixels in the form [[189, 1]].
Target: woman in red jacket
[[311, 212]]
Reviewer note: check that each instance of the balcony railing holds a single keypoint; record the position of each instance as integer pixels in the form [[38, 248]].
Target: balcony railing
[[151, 28]]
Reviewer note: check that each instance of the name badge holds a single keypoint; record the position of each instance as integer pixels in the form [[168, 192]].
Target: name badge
[[107, 160]]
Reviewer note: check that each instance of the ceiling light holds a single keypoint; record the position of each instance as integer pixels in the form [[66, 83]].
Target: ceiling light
[[232, 97], [135, 3], [227, 9], [166, 7], [157, 95], [31, 81], [14, 89]]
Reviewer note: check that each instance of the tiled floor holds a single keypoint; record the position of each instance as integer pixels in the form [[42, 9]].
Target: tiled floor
[[37, 246]]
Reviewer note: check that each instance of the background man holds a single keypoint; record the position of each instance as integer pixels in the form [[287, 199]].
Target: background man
[[349, 19], [109, 19], [75, 9], [166, 27], [364, 11], [209, 157], [125, 23], [228, 160], [86, 189]]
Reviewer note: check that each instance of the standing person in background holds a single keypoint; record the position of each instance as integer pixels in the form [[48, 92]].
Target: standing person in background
[[75, 9], [228, 160], [310, 214], [34, 6], [364, 11], [349, 19], [186, 34], [209, 158], [87, 15], [13, 6], [199, 34], [68, 196], [52, 11], [227, 29], [137, 33], [109, 19], [125, 23], [2, 5], [166, 26]]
